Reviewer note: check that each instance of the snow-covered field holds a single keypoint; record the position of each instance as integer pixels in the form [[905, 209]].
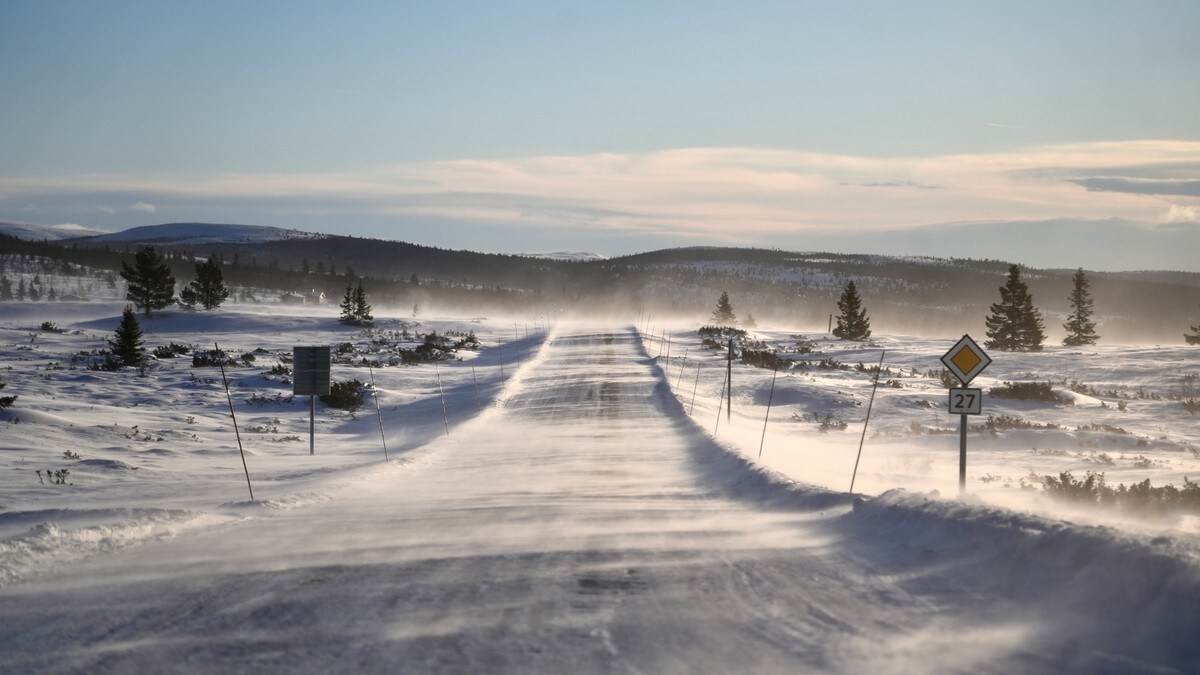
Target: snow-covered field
[[577, 504]]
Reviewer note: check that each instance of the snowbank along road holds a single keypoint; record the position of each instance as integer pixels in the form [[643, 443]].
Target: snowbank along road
[[588, 525]]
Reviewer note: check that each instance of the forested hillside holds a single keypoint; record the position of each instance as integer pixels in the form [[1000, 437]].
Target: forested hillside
[[918, 296]]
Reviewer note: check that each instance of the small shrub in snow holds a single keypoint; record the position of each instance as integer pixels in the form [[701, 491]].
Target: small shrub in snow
[[170, 351], [832, 364], [50, 327], [764, 359], [347, 395], [1189, 393], [6, 401], [54, 477], [1029, 391], [825, 424], [1138, 499], [212, 358], [277, 399], [803, 344]]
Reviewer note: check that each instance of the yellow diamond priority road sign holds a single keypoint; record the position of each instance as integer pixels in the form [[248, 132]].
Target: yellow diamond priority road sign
[[966, 360]]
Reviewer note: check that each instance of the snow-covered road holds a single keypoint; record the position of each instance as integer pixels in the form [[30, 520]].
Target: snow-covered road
[[586, 525]]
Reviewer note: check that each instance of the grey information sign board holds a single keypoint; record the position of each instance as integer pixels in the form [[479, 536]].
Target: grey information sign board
[[310, 371]]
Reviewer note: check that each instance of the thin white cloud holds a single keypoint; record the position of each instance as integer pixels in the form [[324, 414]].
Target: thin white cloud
[[1180, 214], [143, 207], [747, 194]]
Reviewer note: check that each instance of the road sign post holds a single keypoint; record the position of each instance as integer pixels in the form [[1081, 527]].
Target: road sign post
[[310, 375], [966, 360]]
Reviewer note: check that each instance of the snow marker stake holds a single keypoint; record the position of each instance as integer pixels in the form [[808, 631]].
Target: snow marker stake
[[378, 413], [878, 372], [441, 395], [229, 397], [681, 367], [720, 402], [476, 381], [694, 388], [729, 389], [770, 397]]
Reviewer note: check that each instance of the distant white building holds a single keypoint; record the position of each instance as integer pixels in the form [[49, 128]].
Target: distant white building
[[313, 297]]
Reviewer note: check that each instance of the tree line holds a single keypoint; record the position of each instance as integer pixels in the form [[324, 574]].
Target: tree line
[[1014, 323]]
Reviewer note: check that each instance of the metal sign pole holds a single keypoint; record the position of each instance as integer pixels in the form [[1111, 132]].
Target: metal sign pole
[[965, 360], [310, 375], [962, 454]]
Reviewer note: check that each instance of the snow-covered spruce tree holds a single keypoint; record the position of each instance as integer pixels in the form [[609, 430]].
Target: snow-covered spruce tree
[[1081, 330], [126, 343], [151, 285], [208, 289], [852, 323], [1015, 325], [723, 315]]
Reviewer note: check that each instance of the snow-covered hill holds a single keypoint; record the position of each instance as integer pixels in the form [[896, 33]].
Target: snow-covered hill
[[570, 256], [195, 234], [35, 232]]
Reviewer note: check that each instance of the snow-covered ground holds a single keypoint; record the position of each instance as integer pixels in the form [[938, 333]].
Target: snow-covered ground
[[576, 504], [1123, 416]]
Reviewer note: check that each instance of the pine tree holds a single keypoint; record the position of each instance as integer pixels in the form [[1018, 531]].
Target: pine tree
[[21, 290], [347, 306], [852, 323], [126, 343], [151, 285], [6, 292], [1081, 330], [723, 314], [208, 289], [1015, 325], [362, 310]]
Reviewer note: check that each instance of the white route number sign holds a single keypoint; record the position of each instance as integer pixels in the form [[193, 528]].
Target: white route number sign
[[966, 401]]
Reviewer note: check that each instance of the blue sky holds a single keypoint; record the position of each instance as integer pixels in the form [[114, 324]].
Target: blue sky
[[969, 129]]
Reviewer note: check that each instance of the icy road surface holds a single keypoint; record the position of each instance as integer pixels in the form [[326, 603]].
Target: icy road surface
[[585, 525]]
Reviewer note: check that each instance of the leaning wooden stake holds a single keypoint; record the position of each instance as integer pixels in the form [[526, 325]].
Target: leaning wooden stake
[[720, 402], [878, 372], [442, 395], [229, 397], [770, 397], [729, 385], [694, 388], [681, 367], [378, 413], [476, 381]]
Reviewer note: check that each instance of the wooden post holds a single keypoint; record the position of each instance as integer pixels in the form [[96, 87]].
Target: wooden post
[[729, 385]]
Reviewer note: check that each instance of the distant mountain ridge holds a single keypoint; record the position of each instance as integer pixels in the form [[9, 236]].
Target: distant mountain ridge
[[198, 234], [32, 232], [571, 256]]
